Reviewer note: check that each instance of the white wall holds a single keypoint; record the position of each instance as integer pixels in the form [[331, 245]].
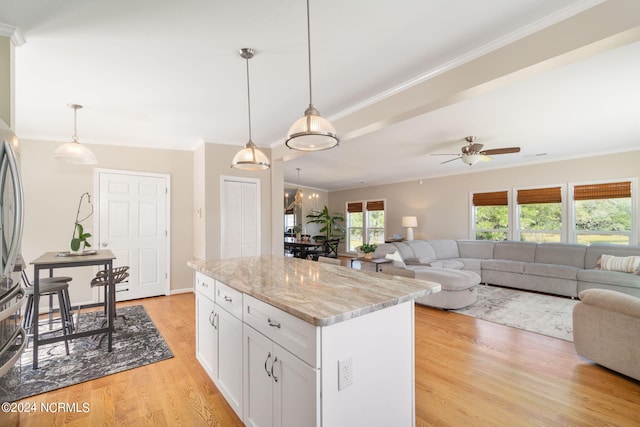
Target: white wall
[[442, 204]]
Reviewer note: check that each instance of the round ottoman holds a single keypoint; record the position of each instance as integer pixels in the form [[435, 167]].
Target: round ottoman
[[459, 287]]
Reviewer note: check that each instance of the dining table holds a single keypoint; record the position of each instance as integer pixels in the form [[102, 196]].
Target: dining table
[[300, 248], [54, 260]]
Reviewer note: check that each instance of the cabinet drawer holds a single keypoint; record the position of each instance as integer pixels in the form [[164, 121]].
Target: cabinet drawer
[[206, 286], [295, 335], [229, 299]]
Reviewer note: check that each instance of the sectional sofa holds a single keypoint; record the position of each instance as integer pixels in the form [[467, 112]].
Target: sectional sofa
[[555, 268]]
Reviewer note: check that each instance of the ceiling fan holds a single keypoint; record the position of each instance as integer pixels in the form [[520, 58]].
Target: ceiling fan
[[473, 152]]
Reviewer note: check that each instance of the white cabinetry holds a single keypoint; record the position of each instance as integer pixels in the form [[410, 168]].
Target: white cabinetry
[[219, 337], [280, 389]]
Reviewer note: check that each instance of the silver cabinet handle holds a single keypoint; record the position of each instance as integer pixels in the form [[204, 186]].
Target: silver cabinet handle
[[212, 318], [203, 283], [265, 364], [228, 299], [274, 323], [275, 378]]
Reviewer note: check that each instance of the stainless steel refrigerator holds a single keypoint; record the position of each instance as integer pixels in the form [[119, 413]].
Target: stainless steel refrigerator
[[12, 335]]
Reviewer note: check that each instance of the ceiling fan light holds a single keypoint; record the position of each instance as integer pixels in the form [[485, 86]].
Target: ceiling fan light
[[312, 132], [470, 159], [250, 158]]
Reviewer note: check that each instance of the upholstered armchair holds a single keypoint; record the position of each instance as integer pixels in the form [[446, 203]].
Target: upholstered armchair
[[606, 330]]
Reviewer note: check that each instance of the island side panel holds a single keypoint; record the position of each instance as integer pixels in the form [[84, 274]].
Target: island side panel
[[380, 346]]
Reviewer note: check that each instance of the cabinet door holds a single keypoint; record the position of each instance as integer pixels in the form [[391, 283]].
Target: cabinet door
[[296, 391], [207, 335], [230, 358], [258, 384]]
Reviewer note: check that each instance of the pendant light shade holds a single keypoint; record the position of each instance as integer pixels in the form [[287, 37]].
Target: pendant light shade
[[311, 132], [74, 152], [249, 158]]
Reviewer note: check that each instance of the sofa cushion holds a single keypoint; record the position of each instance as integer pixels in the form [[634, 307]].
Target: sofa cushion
[[447, 263], [515, 251], [552, 270], [626, 264], [383, 249], [445, 248], [595, 250], [503, 265], [561, 253], [609, 278], [476, 249], [421, 249], [397, 259]]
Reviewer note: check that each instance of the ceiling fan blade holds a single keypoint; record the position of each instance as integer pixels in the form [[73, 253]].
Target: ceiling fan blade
[[475, 148], [451, 160], [507, 150], [485, 158]]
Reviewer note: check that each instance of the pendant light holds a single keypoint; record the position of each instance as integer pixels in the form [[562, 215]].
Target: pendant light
[[311, 132], [249, 158], [74, 152]]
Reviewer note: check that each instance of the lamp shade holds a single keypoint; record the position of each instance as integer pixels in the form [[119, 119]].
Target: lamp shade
[[409, 221], [312, 132], [74, 152], [250, 158]]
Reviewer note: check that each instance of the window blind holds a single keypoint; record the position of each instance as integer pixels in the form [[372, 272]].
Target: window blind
[[353, 207], [539, 195], [612, 190], [496, 198], [377, 205]]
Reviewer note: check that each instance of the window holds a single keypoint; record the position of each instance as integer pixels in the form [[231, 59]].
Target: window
[[539, 214], [603, 213], [365, 223], [491, 215]]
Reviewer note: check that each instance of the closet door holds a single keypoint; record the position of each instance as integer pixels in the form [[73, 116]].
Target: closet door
[[240, 222]]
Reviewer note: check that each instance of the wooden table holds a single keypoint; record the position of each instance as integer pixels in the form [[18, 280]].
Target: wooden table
[[300, 245], [376, 261], [52, 260]]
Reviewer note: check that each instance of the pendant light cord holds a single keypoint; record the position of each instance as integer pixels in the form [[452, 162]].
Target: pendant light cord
[[75, 125], [248, 98], [309, 52]]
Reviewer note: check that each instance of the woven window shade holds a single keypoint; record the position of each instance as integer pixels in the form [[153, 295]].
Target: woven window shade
[[354, 207], [496, 198], [613, 190], [539, 195], [377, 205]]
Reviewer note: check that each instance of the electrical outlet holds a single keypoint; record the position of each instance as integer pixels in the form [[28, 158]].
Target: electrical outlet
[[345, 372]]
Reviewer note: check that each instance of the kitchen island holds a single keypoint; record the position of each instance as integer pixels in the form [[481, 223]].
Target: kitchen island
[[295, 342]]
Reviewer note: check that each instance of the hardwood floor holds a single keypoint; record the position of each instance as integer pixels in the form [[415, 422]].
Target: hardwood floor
[[468, 372]]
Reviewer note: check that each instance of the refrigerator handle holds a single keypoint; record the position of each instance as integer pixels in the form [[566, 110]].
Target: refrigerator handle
[[16, 234]]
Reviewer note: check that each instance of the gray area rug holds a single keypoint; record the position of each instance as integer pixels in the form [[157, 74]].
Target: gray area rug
[[136, 342], [543, 314]]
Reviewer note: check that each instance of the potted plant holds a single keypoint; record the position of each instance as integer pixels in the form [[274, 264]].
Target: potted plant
[[298, 230], [368, 249], [331, 226], [79, 238]]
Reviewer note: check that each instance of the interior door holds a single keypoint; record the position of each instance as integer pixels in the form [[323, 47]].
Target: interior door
[[133, 223], [240, 224]]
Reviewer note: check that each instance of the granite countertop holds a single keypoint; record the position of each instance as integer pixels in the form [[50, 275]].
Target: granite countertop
[[320, 294]]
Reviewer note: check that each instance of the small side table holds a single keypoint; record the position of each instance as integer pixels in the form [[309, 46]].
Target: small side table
[[376, 261]]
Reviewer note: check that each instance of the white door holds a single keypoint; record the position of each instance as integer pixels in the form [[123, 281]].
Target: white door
[[133, 223], [206, 335], [240, 225]]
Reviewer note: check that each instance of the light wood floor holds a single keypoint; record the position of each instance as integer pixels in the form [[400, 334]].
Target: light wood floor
[[468, 373]]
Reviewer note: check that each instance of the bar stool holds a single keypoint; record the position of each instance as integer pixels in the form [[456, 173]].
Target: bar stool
[[49, 286], [102, 280]]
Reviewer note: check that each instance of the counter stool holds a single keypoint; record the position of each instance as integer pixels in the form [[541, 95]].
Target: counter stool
[[49, 286], [102, 279]]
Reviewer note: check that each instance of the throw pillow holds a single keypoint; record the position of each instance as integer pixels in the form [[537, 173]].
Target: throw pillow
[[627, 264], [397, 259]]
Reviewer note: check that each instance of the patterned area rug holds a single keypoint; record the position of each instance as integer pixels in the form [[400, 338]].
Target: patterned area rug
[[544, 314], [136, 342]]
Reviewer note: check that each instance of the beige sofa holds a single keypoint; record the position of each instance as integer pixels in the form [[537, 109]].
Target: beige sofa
[[606, 330], [556, 268]]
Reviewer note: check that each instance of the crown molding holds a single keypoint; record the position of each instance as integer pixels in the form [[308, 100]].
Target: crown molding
[[13, 33]]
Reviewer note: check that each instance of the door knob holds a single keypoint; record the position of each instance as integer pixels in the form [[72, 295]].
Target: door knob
[[104, 245]]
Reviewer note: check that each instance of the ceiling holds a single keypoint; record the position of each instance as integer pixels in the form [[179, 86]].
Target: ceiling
[[166, 74]]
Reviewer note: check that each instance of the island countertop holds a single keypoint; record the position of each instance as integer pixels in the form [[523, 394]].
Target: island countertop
[[320, 294]]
